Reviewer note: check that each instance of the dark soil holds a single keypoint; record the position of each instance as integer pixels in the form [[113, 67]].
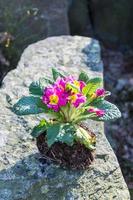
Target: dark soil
[[72, 157]]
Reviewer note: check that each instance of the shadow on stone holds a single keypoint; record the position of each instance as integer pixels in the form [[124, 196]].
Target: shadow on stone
[[33, 178]]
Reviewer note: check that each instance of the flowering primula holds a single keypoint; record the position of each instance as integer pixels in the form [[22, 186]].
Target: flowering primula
[[67, 101]]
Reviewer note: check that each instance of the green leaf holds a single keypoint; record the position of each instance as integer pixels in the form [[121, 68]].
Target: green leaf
[[83, 77], [85, 138], [37, 87], [85, 116], [40, 128], [111, 111], [91, 101], [60, 133], [72, 87], [56, 74], [52, 133], [67, 134], [48, 81], [28, 105], [92, 85], [107, 93]]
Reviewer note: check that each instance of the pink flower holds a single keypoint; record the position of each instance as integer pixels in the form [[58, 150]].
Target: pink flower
[[77, 99], [82, 85], [54, 97], [59, 93], [100, 92], [98, 112], [60, 83]]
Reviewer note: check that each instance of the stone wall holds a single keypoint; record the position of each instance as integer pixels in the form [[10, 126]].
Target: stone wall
[[112, 22], [108, 21], [24, 174], [27, 22]]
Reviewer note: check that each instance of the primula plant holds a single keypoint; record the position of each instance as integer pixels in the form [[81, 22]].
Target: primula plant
[[67, 101]]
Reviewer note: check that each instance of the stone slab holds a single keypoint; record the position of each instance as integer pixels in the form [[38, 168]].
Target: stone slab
[[23, 173]]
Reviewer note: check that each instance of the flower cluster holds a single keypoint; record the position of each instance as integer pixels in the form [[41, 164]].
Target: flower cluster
[[68, 90], [63, 91], [67, 102]]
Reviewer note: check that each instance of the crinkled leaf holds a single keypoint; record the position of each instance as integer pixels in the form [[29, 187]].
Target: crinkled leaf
[[40, 128], [28, 105], [67, 134], [92, 85], [48, 81], [52, 133], [60, 133], [107, 93], [85, 138], [83, 77], [111, 111], [56, 74], [37, 87]]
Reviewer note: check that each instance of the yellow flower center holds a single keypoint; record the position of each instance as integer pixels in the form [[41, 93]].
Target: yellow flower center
[[93, 96], [77, 83], [73, 98], [54, 99]]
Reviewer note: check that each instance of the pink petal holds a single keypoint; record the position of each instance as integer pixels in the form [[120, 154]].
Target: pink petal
[[91, 110], [80, 99], [100, 92], [100, 113], [82, 85]]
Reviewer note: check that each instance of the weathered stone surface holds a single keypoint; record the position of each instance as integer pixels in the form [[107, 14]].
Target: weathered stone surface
[[23, 173]]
